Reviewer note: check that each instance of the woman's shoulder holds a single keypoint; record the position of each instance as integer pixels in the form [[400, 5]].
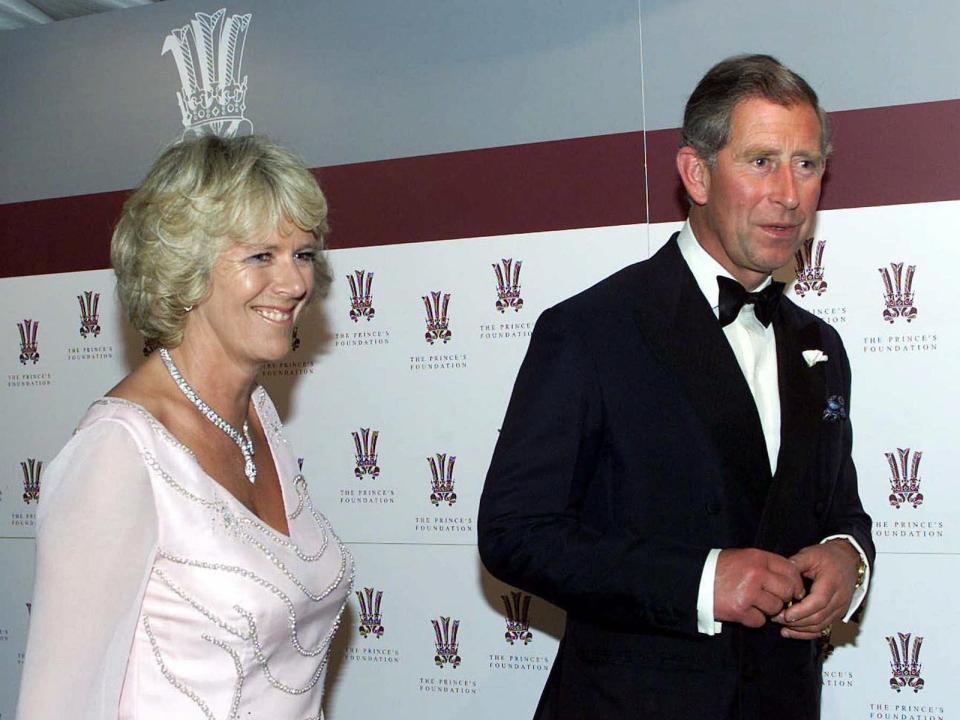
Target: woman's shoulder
[[136, 404], [109, 440], [123, 415]]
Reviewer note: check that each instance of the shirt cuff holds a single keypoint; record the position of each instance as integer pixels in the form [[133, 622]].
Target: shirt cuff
[[705, 622], [860, 592]]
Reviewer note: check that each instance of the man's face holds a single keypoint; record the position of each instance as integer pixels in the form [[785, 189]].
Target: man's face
[[760, 198]]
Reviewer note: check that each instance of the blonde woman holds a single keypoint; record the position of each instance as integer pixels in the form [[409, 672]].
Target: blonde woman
[[182, 569]]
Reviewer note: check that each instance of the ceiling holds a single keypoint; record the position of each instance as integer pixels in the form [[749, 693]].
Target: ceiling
[[24, 13]]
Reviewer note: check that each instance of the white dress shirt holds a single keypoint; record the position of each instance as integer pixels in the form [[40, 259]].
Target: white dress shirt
[[755, 348]]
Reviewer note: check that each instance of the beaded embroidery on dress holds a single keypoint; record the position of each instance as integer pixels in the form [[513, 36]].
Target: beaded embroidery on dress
[[237, 619]]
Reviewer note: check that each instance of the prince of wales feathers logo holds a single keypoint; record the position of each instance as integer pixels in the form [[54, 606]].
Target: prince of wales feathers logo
[[370, 617], [508, 284], [365, 444], [32, 469], [361, 299], [28, 341], [810, 268], [89, 313], [905, 478], [441, 484], [517, 605], [898, 296], [438, 325], [905, 662], [445, 633], [208, 53]]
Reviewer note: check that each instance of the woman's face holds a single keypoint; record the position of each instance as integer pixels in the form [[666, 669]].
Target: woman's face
[[256, 293]]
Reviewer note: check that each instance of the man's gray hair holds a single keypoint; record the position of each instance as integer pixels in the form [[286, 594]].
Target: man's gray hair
[[706, 119]]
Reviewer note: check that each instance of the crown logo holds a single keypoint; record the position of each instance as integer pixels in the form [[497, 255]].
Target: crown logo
[[361, 301], [905, 663], [810, 268], [365, 443], [89, 315], [905, 478], [438, 326], [898, 292], [518, 617], [370, 618], [208, 53], [31, 479], [445, 634], [441, 468], [508, 284], [28, 342]]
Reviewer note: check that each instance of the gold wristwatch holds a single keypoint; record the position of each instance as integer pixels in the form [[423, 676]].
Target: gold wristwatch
[[861, 563], [861, 572]]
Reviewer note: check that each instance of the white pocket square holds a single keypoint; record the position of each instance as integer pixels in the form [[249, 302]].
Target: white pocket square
[[812, 357]]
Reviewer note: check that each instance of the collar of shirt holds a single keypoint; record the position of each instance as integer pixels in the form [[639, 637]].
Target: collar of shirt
[[705, 270]]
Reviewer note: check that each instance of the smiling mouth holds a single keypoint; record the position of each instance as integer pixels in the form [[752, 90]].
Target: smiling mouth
[[274, 315]]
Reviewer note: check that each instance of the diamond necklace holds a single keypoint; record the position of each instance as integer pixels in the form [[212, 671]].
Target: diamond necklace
[[244, 442]]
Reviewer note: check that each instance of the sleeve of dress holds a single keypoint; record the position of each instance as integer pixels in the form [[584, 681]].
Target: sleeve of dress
[[96, 538]]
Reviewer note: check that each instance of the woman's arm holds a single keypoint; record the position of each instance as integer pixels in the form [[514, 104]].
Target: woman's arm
[[96, 537]]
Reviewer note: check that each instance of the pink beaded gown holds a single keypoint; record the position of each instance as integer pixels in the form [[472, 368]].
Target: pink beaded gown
[[159, 595]]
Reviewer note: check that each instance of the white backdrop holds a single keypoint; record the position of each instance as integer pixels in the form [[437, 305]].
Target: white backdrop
[[448, 398]]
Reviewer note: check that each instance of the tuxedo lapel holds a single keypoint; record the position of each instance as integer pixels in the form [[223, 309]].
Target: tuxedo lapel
[[680, 326], [802, 390], [802, 396]]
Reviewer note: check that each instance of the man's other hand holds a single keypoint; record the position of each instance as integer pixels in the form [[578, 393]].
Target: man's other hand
[[832, 566], [752, 585]]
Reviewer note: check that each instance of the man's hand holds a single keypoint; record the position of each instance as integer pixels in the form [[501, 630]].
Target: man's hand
[[752, 585], [833, 568]]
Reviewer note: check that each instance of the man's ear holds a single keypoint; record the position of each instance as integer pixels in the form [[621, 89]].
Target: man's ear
[[694, 173]]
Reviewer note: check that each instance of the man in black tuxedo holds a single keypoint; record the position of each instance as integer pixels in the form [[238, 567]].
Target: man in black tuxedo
[[674, 468]]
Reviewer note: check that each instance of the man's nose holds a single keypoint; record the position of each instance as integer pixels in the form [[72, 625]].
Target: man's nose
[[784, 189]]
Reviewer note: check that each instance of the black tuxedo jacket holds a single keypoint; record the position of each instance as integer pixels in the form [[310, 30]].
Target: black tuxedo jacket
[[631, 446]]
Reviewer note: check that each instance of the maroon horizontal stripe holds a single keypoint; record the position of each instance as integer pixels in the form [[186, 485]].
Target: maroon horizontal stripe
[[884, 156], [58, 235], [563, 184], [586, 182], [894, 155]]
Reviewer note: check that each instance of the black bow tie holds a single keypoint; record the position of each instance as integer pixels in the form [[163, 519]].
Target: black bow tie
[[733, 296]]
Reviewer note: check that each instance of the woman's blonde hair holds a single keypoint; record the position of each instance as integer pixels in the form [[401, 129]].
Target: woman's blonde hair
[[200, 196]]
